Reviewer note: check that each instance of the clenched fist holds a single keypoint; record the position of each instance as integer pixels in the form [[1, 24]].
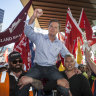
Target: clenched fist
[[37, 13]]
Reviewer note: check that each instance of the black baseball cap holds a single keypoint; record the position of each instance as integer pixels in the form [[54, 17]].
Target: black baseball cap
[[14, 55]]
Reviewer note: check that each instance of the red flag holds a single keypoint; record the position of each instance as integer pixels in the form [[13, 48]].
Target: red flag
[[22, 46], [72, 31], [13, 33], [84, 24], [6, 55]]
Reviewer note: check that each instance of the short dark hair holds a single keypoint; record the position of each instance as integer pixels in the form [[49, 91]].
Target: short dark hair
[[54, 20]]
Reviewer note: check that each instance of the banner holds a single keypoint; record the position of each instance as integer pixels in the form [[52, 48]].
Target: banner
[[72, 31], [22, 46], [13, 33]]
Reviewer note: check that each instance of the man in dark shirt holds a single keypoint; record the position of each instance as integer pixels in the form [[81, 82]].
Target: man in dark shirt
[[78, 84]]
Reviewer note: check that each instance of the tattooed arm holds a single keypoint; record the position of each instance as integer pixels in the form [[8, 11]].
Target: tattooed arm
[[24, 80], [37, 84]]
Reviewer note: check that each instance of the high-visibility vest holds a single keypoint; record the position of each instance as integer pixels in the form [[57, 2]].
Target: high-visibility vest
[[30, 92], [4, 84]]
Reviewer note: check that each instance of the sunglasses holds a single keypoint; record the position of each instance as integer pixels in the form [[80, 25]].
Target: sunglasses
[[15, 61]]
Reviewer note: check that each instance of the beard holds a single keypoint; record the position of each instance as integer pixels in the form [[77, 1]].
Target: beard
[[16, 69]]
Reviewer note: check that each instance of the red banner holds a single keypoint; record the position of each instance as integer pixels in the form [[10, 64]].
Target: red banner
[[13, 33], [72, 31], [22, 46]]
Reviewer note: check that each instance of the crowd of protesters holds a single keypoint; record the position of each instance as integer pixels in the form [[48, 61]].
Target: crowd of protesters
[[78, 84]]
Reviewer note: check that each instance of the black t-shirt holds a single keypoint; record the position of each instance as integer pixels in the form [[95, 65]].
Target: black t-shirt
[[79, 85]]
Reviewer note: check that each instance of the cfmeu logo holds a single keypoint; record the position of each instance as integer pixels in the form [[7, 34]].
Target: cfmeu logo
[[68, 27], [14, 25]]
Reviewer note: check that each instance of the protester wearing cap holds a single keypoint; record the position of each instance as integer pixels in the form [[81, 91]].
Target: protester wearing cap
[[15, 64], [16, 70], [8, 85]]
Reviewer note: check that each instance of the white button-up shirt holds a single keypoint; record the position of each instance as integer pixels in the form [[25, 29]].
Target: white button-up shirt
[[46, 51]]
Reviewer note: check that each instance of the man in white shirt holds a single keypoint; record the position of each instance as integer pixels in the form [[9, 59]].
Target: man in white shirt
[[47, 49]]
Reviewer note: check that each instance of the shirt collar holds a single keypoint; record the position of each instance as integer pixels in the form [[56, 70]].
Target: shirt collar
[[11, 73]]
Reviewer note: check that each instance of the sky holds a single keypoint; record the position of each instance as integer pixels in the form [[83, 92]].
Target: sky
[[11, 9]]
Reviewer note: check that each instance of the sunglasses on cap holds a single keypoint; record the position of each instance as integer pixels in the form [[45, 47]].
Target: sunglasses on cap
[[15, 61]]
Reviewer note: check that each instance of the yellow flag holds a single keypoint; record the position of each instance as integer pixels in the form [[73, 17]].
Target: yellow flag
[[61, 67], [79, 53]]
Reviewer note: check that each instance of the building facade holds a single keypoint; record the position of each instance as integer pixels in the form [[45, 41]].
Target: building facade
[[1, 18]]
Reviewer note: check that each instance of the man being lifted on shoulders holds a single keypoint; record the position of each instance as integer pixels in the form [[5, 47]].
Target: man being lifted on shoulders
[[47, 49]]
